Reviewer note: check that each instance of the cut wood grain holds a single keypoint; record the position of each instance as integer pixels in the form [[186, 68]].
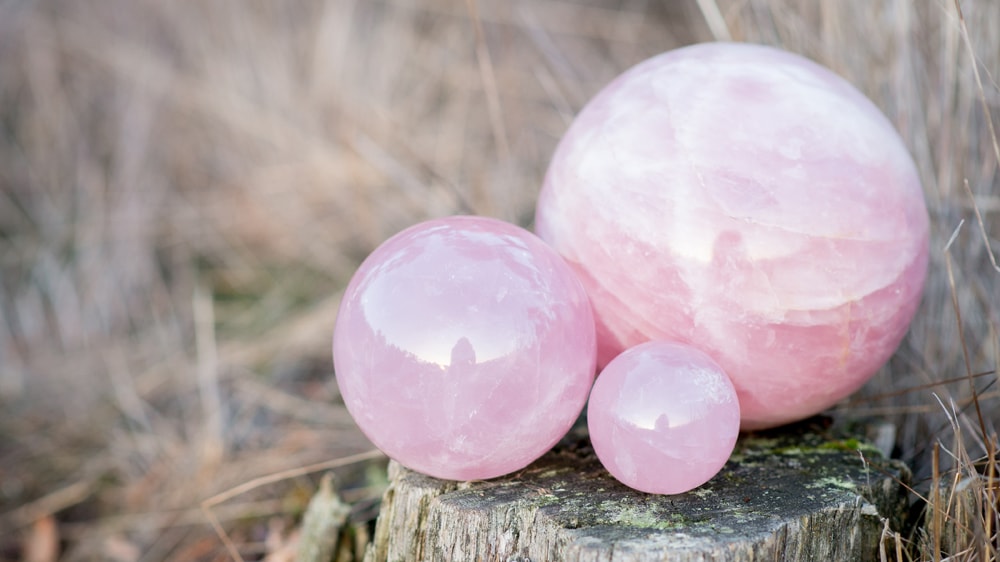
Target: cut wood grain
[[793, 494]]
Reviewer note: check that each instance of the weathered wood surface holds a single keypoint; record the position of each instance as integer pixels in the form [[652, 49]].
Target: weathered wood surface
[[791, 495]]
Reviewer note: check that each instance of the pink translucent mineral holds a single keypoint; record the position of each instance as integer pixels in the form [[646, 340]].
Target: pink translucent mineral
[[752, 203], [464, 348], [663, 418]]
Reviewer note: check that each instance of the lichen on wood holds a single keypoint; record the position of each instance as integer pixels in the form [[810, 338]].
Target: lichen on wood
[[792, 494]]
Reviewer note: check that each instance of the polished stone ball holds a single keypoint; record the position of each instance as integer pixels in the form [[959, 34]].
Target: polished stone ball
[[663, 417], [464, 348], [751, 203]]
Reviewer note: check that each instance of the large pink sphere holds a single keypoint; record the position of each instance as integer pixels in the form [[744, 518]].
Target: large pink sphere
[[663, 418], [750, 202], [464, 348]]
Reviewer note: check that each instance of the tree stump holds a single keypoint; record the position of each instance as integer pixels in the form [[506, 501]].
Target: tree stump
[[794, 494]]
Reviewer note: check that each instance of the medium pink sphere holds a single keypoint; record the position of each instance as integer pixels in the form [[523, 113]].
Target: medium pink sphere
[[663, 417], [464, 348], [752, 203]]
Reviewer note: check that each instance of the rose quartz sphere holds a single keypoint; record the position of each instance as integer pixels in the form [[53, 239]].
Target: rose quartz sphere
[[663, 417], [464, 348], [750, 202]]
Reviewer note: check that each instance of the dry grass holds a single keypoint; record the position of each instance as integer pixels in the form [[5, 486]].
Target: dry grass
[[185, 187]]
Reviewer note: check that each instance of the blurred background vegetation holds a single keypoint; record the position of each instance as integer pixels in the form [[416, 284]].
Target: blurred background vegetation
[[186, 187]]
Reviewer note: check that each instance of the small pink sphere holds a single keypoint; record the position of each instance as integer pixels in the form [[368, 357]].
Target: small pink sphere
[[752, 203], [663, 418], [464, 348]]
